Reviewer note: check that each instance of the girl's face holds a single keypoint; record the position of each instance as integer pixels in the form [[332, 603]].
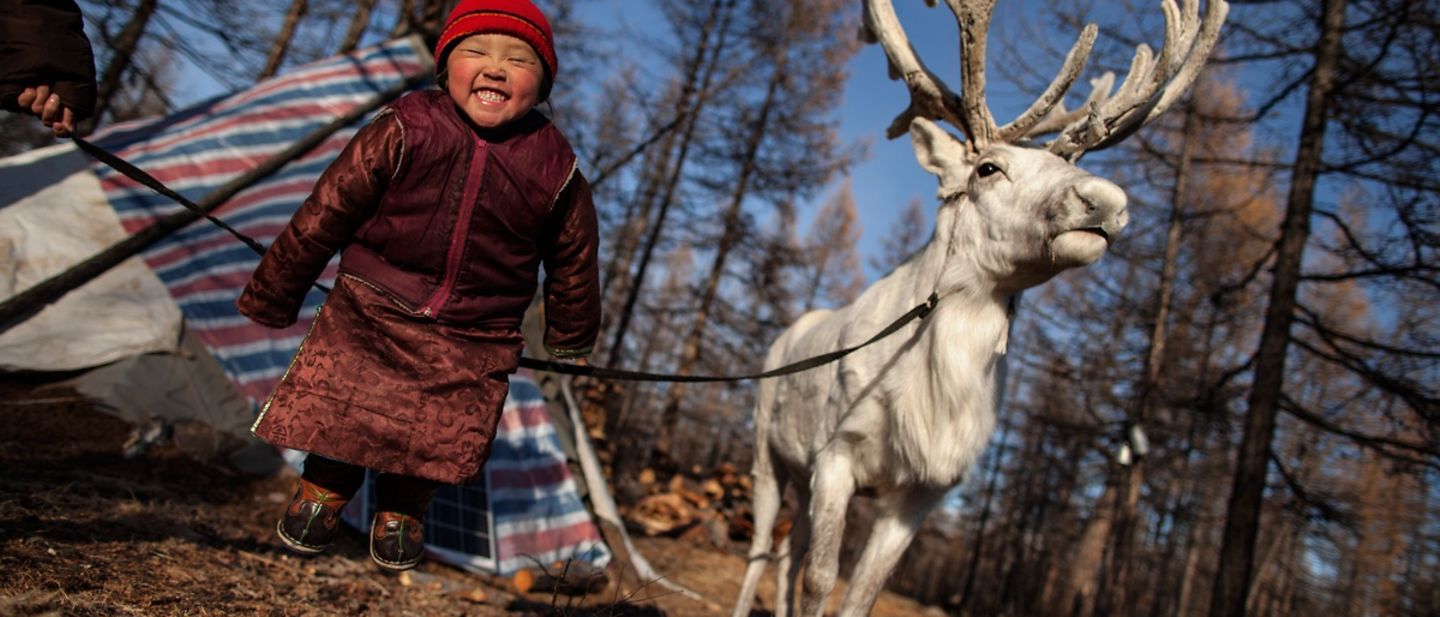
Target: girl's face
[[494, 78]]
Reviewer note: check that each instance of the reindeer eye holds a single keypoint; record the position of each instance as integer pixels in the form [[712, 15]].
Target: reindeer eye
[[986, 169]]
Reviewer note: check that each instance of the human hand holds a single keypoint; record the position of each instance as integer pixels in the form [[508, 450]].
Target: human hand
[[46, 106]]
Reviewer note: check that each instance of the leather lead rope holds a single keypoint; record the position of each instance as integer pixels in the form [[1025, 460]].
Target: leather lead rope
[[139, 175], [919, 312]]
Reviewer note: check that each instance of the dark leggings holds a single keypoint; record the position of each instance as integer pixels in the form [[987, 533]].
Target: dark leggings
[[393, 492]]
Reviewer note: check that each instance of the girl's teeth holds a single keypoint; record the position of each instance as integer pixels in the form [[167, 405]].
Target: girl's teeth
[[487, 95]]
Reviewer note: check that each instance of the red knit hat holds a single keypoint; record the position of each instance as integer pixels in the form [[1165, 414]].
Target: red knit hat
[[518, 18]]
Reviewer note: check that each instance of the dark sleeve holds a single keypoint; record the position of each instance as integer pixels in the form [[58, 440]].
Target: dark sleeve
[[42, 42], [345, 196], [572, 273]]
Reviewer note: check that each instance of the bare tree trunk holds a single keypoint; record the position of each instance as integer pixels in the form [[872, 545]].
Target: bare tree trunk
[[1112, 595], [638, 421], [1079, 594], [1269, 575], [431, 18], [404, 19], [1017, 587], [617, 276], [358, 23], [122, 54], [282, 40], [721, 10], [1242, 522], [1191, 572], [1115, 585], [729, 237], [973, 562], [1179, 518], [1186, 599]]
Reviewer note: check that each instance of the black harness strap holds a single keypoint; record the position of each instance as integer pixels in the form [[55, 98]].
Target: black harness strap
[[919, 312], [139, 175]]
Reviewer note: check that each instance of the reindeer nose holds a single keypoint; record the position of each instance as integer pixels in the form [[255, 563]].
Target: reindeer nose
[[1101, 196], [1104, 203]]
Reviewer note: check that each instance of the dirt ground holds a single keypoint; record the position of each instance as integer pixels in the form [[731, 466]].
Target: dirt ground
[[85, 531]]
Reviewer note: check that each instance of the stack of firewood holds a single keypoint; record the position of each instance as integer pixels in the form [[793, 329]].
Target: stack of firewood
[[710, 508]]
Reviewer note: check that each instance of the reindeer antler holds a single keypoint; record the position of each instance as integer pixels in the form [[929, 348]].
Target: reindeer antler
[[974, 18], [929, 97], [1151, 86], [1149, 89], [1047, 114]]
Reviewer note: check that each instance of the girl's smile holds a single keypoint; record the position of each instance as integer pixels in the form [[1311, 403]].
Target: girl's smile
[[494, 78]]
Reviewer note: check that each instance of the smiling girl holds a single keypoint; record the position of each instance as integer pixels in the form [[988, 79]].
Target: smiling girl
[[443, 209]]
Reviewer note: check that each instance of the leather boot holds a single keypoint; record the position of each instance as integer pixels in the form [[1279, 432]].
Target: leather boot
[[397, 540], [311, 520]]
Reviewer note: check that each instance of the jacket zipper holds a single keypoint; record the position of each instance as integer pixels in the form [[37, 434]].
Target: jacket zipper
[[432, 306]]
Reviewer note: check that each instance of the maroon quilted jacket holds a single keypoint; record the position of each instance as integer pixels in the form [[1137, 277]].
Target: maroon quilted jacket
[[449, 223]]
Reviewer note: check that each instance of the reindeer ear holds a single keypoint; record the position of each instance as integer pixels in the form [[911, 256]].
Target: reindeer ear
[[942, 154]]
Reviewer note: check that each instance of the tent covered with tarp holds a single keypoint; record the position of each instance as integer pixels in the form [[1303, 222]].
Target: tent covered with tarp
[[162, 325]]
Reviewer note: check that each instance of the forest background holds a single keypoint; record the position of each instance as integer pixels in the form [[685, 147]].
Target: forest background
[[1234, 413]]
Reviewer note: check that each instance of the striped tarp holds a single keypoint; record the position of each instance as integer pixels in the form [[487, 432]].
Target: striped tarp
[[526, 508], [198, 150], [525, 514]]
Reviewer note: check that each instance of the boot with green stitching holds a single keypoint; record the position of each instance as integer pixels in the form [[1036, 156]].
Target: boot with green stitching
[[397, 540], [312, 519]]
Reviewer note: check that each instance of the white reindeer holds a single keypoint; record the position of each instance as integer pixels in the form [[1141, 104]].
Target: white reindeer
[[905, 418]]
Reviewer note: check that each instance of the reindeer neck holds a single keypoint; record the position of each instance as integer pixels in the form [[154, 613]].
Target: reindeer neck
[[960, 347], [953, 263]]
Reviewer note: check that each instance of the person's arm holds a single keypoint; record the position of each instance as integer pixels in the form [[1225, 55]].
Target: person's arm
[[572, 273], [345, 196], [46, 65]]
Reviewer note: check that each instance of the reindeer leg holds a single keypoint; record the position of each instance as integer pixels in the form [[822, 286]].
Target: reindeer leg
[[832, 484], [792, 556], [901, 515], [768, 494]]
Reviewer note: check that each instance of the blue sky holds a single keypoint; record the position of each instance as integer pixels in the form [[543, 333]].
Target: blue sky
[[888, 178]]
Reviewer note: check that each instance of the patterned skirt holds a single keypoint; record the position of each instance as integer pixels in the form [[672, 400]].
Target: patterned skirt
[[376, 386]]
